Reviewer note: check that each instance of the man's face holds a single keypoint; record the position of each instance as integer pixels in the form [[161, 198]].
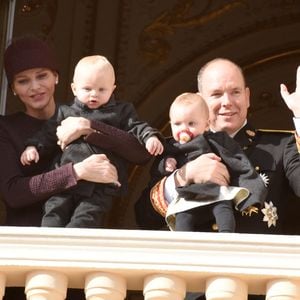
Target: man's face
[[224, 91]]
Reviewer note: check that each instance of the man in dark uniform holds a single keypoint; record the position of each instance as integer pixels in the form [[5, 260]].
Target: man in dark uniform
[[275, 155]]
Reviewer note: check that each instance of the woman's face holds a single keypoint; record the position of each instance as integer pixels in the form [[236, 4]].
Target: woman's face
[[35, 88]]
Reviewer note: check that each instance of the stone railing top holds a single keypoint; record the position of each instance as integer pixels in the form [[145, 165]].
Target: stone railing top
[[134, 254]]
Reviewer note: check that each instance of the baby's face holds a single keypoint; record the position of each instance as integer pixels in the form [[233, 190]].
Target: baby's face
[[94, 86], [187, 121]]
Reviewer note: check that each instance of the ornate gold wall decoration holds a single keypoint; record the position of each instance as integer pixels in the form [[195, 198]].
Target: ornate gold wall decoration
[[29, 6], [42, 14], [267, 99], [154, 45]]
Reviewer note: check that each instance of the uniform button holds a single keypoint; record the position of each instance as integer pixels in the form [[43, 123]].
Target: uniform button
[[257, 168], [250, 133], [214, 227]]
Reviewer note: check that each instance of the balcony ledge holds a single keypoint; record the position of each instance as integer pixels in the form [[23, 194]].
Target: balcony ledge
[[135, 254]]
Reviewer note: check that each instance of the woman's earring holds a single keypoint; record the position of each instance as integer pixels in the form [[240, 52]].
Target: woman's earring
[[56, 81], [15, 94]]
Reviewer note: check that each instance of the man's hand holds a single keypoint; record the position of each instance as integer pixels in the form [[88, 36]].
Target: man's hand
[[206, 168], [292, 100]]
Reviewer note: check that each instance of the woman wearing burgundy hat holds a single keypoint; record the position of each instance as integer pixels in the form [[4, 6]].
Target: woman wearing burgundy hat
[[32, 74]]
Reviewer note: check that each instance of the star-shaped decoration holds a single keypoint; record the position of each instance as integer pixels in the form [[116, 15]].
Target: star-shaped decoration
[[265, 179], [270, 214]]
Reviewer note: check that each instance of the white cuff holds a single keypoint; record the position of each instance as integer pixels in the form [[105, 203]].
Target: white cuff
[[170, 192], [297, 125]]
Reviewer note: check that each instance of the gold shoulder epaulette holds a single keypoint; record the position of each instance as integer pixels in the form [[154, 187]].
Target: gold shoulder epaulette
[[276, 131]]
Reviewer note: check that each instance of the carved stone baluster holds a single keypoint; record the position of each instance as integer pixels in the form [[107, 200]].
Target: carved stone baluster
[[160, 286], [226, 288], [105, 286], [46, 285], [2, 285], [283, 289]]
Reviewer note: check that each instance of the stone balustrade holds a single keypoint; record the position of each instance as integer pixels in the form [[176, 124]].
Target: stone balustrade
[[106, 263]]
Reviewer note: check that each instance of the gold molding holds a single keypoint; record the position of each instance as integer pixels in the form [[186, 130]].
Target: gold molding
[[154, 46]]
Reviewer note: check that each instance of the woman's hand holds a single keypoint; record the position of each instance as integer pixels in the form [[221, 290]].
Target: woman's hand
[[97, 168], [71, 129]]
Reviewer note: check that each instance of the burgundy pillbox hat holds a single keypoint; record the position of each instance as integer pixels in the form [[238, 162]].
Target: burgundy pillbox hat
[[27, 53]]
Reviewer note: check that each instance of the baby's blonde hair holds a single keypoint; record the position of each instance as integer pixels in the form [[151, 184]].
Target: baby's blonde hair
[[94, 61], [190, 98]]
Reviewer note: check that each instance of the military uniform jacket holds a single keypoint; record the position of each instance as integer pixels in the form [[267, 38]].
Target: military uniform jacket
[[275, 156]]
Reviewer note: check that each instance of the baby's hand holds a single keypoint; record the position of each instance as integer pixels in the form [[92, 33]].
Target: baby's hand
[[29, 155], [154, 146], [170, 164]]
